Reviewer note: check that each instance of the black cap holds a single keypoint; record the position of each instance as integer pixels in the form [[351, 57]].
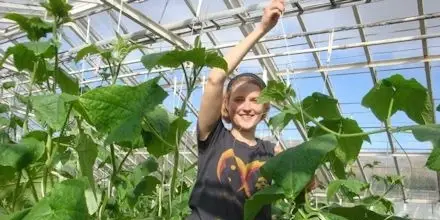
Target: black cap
[[235, 78]]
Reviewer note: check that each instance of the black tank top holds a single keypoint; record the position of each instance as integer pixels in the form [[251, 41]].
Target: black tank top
[[228, 174]]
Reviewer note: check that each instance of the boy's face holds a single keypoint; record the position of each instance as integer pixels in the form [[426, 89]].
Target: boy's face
[[245, 112]]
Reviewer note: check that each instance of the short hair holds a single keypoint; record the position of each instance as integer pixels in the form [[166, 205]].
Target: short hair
[[245, 77]]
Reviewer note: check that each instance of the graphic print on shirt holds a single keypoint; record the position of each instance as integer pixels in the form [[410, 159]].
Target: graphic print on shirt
[[232, 170]]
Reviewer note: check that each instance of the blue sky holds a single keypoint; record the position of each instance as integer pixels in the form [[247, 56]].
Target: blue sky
[[349, 85]]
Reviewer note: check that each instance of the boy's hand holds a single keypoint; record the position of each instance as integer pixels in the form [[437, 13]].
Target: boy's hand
[[271, 15]]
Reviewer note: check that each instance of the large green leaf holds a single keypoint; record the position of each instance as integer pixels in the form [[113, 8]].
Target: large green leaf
[[8, 85], [147, 167], [294, 168], [354, 186], [198, 56], [263, 197], [4, 108], [41, 48], [378, 204], [24, 58], [409, 96], [276, 91], [53, 108], [359, 213], [34, 27], [412, 98], [279, 121], [87, 153], [320, 105], [348, 147], [21, 155], [145, 187], [57, 8], [67, 83], [164, 144], [433, 161], [378, 99], [85, 51], [118, 110], [16, 215], [66, 201], [430, 133]]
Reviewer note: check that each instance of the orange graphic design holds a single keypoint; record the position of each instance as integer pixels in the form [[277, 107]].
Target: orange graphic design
[[245, 170]]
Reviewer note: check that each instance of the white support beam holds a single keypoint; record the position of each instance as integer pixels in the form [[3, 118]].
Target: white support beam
[[147, 23]]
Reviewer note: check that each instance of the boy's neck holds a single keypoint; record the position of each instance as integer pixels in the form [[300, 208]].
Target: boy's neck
[[244, 136]]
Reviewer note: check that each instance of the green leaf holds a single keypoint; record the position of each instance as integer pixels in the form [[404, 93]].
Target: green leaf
[[280, 121], [67, 83], [354, 186], [8, 85], [337, 166], [4, 108], [198, 56], [16, 215], [427, 132], [147, 167], [348, 147], [275, 91], [320, 105], [159, 146], [87, 153], [34, 27], [213, 59], [52, 109], [263, 197], [66, 201], [41, 48], [430, 133], [57, 8], [21, 155], [88, 50], [433, 161], [409, 96], [118, 110], [359, 213], [378, 204], [4, 122], [378, 100], [7, 175], [294, 168], [147, 186], [35, 147], [24, 58], [412, 98]]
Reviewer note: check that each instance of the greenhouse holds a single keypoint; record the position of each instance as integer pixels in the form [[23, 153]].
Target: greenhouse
[[100, 103]]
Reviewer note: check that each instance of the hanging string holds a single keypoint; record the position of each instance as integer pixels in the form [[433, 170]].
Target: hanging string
[[329, 55], [119, 17], [290, 67]]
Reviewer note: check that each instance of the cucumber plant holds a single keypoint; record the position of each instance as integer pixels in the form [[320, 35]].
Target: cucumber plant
[[337, 141]]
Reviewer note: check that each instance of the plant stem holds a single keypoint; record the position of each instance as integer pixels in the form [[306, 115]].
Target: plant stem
[[28, 104], [114, 171], [176, 151], [55, 37], [17, 188], [46, 167], [31, 182], [124, 159], [115, 76]]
